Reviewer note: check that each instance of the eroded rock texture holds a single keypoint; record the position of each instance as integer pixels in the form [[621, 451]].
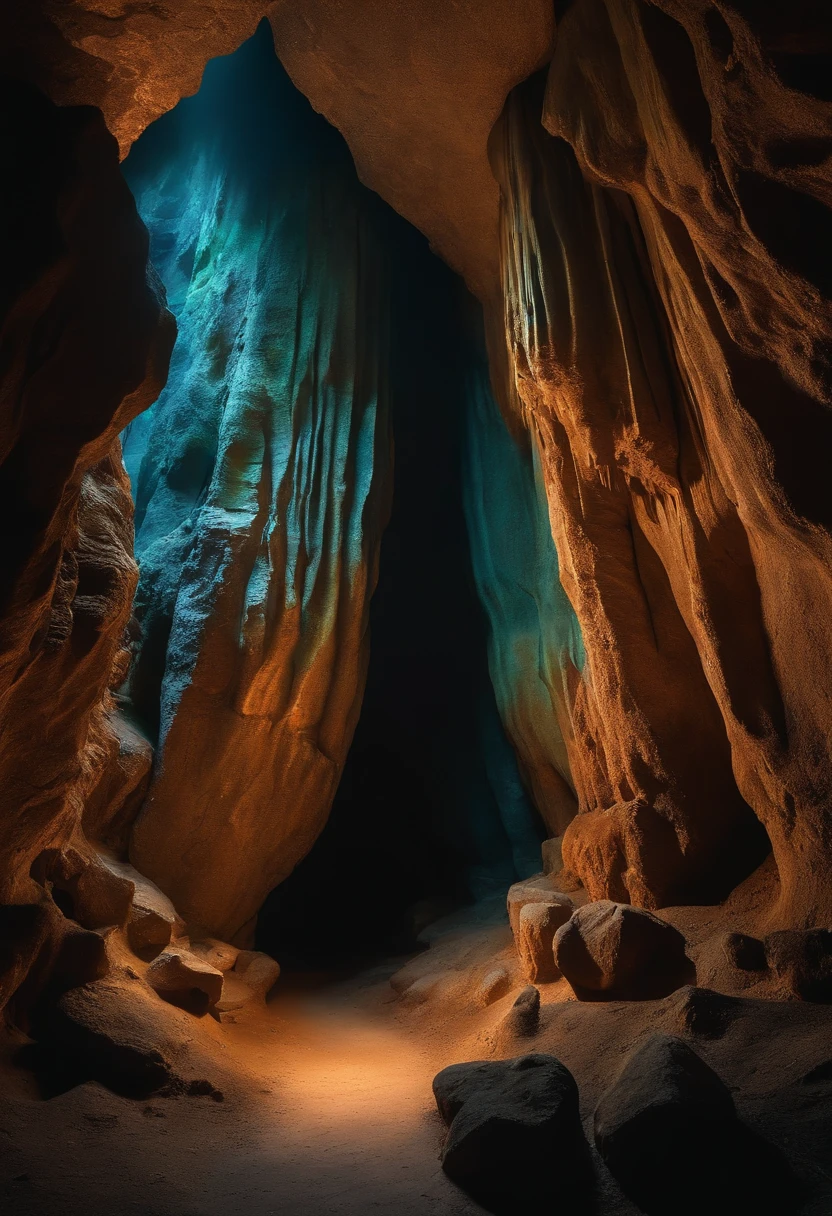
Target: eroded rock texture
[[534, 642], [666, 276], [263, 484], [131, 59], [84, 340]]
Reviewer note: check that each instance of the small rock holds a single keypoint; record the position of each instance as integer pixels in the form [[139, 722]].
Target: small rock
[[153, 920], [218, 954], [423, 988], [537, 890], [259, 971], [618, 952], [184, 979], [552, 853], [700, 1011], [514, 1131], [537, 926], [801, 959], [522, 1020], [494, 985], [236, 995], [744, 952]]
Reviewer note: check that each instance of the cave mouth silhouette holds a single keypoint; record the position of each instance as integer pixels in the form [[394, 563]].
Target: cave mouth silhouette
[[416, 826]]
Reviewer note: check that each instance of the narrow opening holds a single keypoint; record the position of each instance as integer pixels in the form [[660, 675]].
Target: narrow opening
[[314, 428]]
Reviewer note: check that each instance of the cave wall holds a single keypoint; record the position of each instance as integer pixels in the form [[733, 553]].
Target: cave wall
[[676, 390], [431, 810], [84, 343], [664, 258], [535, 649], [262, 485]]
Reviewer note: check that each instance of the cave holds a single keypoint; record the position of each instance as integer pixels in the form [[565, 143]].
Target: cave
[[416, 624]]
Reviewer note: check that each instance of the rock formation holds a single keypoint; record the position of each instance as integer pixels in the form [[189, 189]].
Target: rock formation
[[653, 247], [534, 641], [262, 482], [83, 348], [664, 326]]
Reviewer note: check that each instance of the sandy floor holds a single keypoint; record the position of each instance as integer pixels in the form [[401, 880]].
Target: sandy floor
[[328, 1105], [328, 1109]]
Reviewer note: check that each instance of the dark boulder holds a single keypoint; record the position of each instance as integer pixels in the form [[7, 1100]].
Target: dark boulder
[[801, 959], [617, 952], [744, 952], [515, 1133], [667, 1129], [115, 1032]]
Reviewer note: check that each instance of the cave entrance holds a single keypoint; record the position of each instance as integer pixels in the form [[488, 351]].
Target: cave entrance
[[314, 325]]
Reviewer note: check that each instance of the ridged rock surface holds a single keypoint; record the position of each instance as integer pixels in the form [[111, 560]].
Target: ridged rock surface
[[84, 340], [263, 484], [668, 314], [534, 642]]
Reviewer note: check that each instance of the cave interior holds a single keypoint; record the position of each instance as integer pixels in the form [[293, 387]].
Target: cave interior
[[416, 626]]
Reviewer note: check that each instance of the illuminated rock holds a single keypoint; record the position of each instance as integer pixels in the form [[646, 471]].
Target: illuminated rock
[[262, 488]]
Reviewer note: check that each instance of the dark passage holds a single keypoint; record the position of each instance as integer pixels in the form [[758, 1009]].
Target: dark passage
[[417, 824]]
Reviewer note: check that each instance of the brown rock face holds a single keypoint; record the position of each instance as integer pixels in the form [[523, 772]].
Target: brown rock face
[[415, 90], [667, 288], [132, 60], [84, 340]]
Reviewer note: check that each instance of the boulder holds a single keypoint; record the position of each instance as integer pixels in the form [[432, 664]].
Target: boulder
[[744, 952], [668, 1131], [117, 1033], [86, 890], [44, 954], [514, 1133], [537, 890], [700, 1011], [801, 960], [616, 952], [247, 984], [537, 925], [153, 920], [183, 979]]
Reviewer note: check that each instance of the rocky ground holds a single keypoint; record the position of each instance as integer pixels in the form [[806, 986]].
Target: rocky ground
[[320, 1101]]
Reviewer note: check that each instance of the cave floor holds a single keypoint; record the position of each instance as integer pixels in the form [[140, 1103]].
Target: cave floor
[[327, 1092]]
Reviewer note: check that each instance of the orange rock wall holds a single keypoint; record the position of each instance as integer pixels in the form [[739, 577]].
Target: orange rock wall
[[84, 342], [666, 275]]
